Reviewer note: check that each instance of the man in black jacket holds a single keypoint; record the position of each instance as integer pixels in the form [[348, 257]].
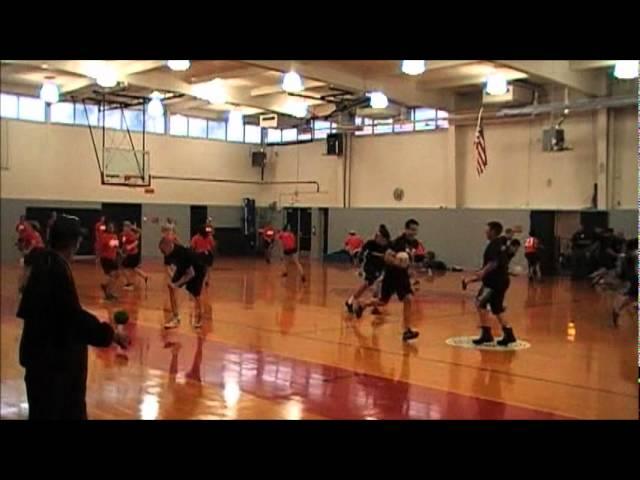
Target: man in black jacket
[[57, 330]]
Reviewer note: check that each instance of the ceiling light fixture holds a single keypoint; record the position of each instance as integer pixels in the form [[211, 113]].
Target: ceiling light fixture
[[155, 107], [497, 84], [413, 67], [179, 65], [49, 92], [626, 69], [378, 100], [104, 74], [292, 82], [213, 91], [297, 109]]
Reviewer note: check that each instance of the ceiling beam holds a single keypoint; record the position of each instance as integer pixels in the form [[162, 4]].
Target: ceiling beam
[[559, 71], [404, 90], [277, 88], [590, 64]]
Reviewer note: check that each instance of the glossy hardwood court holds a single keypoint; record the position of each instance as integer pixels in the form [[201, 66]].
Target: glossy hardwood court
[[273, 348]]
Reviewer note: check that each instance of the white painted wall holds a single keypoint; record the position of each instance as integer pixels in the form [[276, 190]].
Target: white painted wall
[[625, 158], [48, 161]]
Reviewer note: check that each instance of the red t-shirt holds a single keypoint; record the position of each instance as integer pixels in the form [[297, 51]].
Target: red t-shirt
[[353, 243], [420, 250], [109, 246], [30, 239], [531, 245], [130, 243], [268, 233], [288, 240], [202, 244]]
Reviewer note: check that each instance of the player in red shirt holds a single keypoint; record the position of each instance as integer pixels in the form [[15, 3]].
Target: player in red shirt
[[109, 261], [290, 251], [353, 245], [532, 247], [268, 236], [130, 241], [29, 238], [203, 244]]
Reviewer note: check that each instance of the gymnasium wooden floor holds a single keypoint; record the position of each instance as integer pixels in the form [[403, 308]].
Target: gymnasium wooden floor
[[275, 349]]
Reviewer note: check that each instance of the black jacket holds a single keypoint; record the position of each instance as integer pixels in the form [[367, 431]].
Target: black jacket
[[57, 329]]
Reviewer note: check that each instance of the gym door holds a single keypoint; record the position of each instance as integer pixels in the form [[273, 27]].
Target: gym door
[[299, 220]]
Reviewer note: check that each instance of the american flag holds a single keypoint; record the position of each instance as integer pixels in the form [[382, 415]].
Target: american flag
[[480, 147]]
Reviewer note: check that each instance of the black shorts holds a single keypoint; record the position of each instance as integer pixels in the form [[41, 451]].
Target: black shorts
[[396, 282], [418, 258], [532, 258], [493, 297], [206, 258], [108, 265], [194, 286], [131, 261], [371, 276], [291, 251]]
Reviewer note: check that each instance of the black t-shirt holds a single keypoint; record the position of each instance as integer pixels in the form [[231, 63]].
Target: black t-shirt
[[183, 258], [496, 252], [400, 244], [373, 262], [508, 248]]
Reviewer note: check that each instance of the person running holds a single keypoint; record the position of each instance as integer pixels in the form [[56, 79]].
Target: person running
[[494, 276], [57, 330], [169, 230], [131, 248], [629, 274], [290, 252], [532, 247], [353, 245], [109, 261], [396, 278], [373, 263], [268, 237], [189, 273], [202, 244]]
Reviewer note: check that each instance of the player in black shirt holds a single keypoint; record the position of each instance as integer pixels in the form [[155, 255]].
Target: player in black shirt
[[57, 330], [629, 274], [396, 279], [189, 272], [495, 282], [372, 261]]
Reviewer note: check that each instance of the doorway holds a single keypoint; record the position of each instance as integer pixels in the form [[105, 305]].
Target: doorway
[[299, 220], [543, 223], [198, 218]]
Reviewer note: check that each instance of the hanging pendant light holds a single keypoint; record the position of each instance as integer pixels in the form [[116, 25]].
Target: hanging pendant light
[[413, 67]]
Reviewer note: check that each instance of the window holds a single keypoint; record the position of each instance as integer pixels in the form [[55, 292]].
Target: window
[[383, 126], [61, 112], [366, 123], [274, 135], [217, 129], [252, 134], [197, 127], [178, 125], [443, 119], [321, 129], [235, 127], [425, 118], [112, 119], [403, 126], [8, 106], [133, 120], [304, 134], [81, 116], [289, 135], [154, 124], [30, 108]]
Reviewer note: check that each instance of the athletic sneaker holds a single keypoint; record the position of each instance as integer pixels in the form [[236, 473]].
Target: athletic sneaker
[[173, 323], [464, 284], [197, 322], [128, 286], [349, 306], [409, 334], [485, 337], [359, 310], [507, 338]]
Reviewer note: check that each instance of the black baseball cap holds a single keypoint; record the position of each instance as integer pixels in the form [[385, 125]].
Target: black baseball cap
[[65, 231]]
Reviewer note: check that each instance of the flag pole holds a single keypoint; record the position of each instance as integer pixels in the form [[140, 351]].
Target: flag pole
[[479, 118]]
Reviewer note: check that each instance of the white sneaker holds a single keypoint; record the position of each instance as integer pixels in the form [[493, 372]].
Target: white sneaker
[[128, 287], [197, 322], [173, 323]]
